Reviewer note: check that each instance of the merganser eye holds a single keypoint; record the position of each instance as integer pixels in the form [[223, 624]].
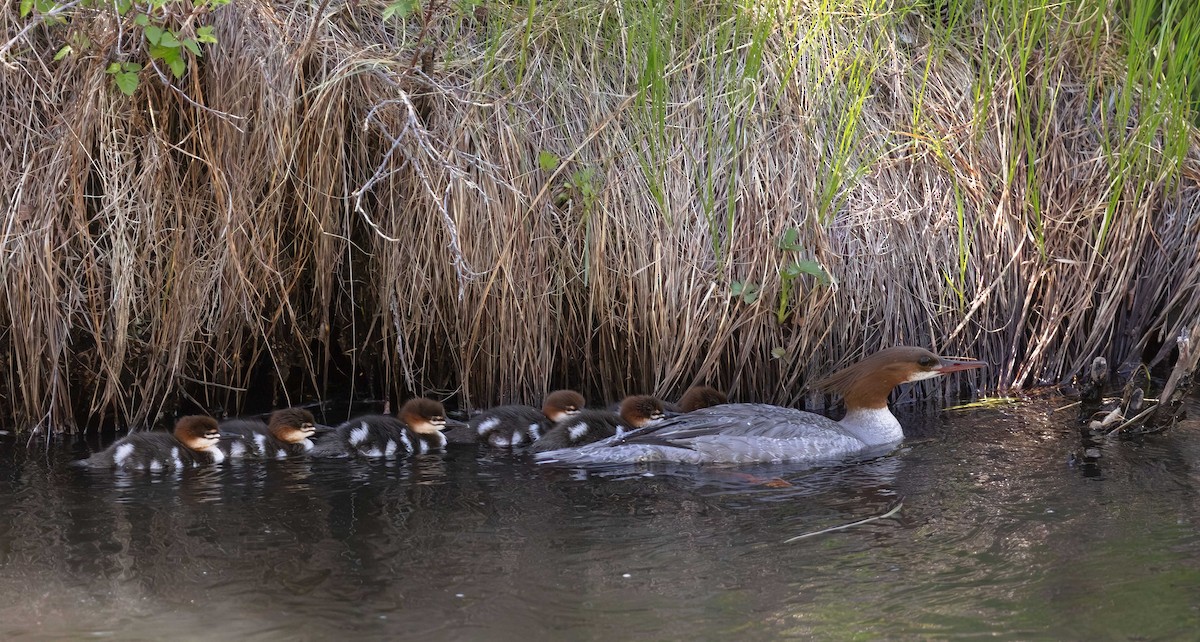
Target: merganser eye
[[927, 362]]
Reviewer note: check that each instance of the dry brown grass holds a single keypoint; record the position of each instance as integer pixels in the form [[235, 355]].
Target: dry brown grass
[[321, 206]]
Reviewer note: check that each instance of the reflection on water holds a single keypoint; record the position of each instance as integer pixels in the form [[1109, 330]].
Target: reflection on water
[[1000, 535]]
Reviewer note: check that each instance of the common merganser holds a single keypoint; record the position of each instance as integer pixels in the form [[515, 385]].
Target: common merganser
[[505, 426], [590, 426], [698, 397], [416, 431], [745, 433], [286, 433], [191, 444]]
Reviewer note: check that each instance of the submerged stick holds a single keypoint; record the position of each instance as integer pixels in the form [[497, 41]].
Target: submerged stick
[[895, 509]]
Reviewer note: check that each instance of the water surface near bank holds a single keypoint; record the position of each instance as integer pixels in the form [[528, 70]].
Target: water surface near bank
[[1000, 534]]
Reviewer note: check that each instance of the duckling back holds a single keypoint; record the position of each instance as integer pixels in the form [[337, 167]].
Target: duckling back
[[376, 436], [583, 428], [252, 439], [505, 426]]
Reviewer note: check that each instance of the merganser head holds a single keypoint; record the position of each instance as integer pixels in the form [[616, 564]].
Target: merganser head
[[197, 432], [561, 404], [424, 416], [641, 410], [698, 397], [868, 383], [292, 425]]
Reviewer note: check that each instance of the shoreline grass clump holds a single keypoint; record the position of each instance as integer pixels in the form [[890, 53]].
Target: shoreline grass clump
[[483, 201]]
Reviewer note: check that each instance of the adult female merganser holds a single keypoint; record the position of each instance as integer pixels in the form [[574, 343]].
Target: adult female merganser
[[593, 425], [745, 433], [505, 426], [698, 397], [285, 434], [192, 443], [416, 431]]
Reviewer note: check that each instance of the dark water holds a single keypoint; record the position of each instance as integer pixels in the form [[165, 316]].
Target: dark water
[[998, 537]]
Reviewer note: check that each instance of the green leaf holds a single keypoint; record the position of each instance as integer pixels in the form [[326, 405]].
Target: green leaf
[[747, 291], [163, 53], [778, 353], [123, 6], [26, 7], [169, 40], [812, 268], [62, 53], [205, 34], [113, 68], [127, 82], [178, 67], [142, 20], [789, 240], [547, 161], [154, 34], [402, 8], [193, 47], [132, 66]]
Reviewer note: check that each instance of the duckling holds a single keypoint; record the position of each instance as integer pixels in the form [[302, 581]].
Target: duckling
[[593, 425], [285, 434], [416, 431], [191, 444], [506, 426], [698, 397]]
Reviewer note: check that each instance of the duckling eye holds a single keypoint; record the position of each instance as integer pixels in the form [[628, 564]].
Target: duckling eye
[[927, 362]]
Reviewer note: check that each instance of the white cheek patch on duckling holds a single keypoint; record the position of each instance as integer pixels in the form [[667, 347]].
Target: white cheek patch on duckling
[[487, 425], [577, 431], [359, 435], [122, 453]]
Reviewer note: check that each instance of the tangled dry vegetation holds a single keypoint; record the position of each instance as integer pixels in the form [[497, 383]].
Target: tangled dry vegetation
[[486, 200]]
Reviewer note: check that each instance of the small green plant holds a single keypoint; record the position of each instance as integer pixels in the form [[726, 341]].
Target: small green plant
[[581, 188], [402, 9], [789, 241], [747, 292], [166, 31], [125, 75]]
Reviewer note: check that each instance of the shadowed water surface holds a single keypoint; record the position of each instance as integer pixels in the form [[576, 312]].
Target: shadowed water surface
[[999, 536]]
